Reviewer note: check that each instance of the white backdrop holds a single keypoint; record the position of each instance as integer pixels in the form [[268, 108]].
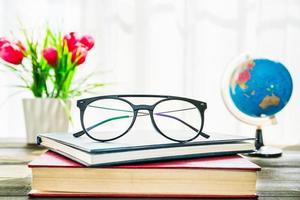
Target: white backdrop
[[176, 47]]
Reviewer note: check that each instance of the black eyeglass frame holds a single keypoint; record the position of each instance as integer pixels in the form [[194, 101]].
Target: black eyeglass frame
[[83, 103]]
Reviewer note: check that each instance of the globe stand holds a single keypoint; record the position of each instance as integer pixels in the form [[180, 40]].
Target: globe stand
[[262, 150]]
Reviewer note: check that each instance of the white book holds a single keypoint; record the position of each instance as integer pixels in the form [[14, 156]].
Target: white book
[[142, 147]]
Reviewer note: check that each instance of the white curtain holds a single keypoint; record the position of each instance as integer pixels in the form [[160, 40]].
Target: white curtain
[[176, 47]]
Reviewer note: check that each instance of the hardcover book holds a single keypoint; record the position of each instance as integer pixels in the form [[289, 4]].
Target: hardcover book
[[144, 148], [211, 177]]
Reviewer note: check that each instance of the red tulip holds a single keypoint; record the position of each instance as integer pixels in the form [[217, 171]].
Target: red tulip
[[50, 54], [3, 41], [79, 55], [87, 41], [11, 53], [78, 45], [71, 40]]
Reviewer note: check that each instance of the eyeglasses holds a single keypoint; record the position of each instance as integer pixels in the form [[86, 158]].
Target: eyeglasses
[[107, 118]]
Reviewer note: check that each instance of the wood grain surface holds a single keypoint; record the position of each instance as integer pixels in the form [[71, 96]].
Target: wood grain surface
[[279, 178]]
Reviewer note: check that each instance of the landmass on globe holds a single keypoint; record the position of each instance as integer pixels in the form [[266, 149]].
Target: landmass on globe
[[269, 101], [242, 74]]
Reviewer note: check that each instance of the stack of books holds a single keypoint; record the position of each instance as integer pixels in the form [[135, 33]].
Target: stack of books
[[208, 168]]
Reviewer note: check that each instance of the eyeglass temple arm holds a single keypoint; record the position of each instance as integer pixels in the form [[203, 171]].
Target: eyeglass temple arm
[[80, 133], [188, 125]]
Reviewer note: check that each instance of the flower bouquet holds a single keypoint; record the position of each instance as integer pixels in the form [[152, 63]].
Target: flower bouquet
[[47, 67]]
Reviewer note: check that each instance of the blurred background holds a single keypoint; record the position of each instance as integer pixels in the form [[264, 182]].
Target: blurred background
[[175, 47]]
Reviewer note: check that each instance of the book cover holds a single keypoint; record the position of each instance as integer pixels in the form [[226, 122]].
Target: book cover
[[37, 193], [137, 141], [230, 162]]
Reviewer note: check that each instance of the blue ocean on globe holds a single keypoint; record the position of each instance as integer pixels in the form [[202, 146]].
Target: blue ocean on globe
[[260, 87]]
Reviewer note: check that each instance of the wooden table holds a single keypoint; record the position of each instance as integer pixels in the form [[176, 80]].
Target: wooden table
[[278, 179]]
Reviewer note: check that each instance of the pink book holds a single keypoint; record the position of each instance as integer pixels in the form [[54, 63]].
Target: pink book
[[52, 160]]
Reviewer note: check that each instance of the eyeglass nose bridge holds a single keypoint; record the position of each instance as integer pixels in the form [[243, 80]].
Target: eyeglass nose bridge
[[143, 107]]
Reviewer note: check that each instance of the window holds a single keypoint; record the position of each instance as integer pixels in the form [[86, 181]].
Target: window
[[166, 47]]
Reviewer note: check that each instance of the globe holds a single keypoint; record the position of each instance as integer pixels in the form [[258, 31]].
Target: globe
[[260, 87], [256, 87], [254, 90]]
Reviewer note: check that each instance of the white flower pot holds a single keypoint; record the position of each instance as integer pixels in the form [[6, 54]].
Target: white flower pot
[[44, 115]]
